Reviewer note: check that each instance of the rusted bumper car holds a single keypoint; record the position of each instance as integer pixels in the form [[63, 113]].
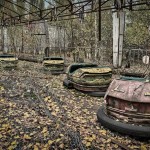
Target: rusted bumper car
[[54, 64], [127, 107], [88, 78], [8, 61]]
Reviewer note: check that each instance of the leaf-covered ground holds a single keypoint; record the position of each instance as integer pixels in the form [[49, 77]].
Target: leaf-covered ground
[[37, 112]]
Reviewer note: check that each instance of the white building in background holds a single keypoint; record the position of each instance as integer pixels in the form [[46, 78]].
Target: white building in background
[[33, 38], [44, 35], [57, 36]]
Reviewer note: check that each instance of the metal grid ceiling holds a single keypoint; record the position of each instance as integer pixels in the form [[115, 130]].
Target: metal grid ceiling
[[13, 12]]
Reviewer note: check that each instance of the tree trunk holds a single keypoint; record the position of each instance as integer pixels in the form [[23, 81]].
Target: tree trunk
[[22, 44], [96, 47]]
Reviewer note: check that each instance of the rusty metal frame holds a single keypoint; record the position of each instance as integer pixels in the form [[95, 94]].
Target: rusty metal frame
[[60, 11], [10, 9], [28, 11], [49, 3]]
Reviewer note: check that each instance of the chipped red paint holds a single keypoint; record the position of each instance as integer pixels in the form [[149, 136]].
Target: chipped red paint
[[129, 100]]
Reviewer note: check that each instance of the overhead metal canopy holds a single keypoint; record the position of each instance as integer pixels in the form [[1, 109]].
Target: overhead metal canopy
[[15, 12]]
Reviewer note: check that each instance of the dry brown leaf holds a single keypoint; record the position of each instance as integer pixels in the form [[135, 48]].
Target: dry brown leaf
[[30, 145], [103, 132], [93, 136], [27, 137], [44, 130], [16, 137], [57, 140], [90, 139], [143, 147], [46, 146], [115, 146], [36, 147], [11, 147], [14, 143], [47, 98], [6, 126], [37, 144], [61, 145], [50, 142], [88, 144], [45, 134], [54, 113], [61, 135], [1, 136], [1, 88], [26, 115]]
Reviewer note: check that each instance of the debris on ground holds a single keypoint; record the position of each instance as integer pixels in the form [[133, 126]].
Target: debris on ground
[[37, 112]]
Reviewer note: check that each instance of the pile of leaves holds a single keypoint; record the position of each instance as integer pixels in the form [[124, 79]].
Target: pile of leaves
[[37, 112]]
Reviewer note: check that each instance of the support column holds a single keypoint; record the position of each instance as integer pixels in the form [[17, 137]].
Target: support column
[[118, 31], [5, 40], [47, 49]]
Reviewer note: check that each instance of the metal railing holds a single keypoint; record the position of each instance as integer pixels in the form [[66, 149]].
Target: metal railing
[[135, 56]]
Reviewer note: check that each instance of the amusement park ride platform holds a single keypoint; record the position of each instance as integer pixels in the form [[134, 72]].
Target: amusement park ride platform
[[28, 12]]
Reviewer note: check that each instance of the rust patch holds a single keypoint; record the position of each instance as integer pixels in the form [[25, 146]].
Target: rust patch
[[129, 100]]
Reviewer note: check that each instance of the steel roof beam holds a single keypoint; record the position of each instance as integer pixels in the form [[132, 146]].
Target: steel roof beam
[[49, 3], [51, 8], [32, 4], [23, 8], [64, 11], [6, 14], [58, 3], [10, 9], [80, 7], [17, 5]]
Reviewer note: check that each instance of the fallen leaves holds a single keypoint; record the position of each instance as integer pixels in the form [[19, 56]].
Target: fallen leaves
[[36, 147], [90, 138], [57, 140], [45, 132], [143, 147], [54, 113], [26, 115], [2, 100], [1, 88], [61, 146], [16, 137], [50, 142], [27, 123], [103, 132], [26, 137], [1, 136], [47, 99], [88, 144], [13, 145], [6, 126]]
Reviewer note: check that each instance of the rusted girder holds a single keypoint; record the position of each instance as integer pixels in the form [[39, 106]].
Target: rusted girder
[[65, 10]]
